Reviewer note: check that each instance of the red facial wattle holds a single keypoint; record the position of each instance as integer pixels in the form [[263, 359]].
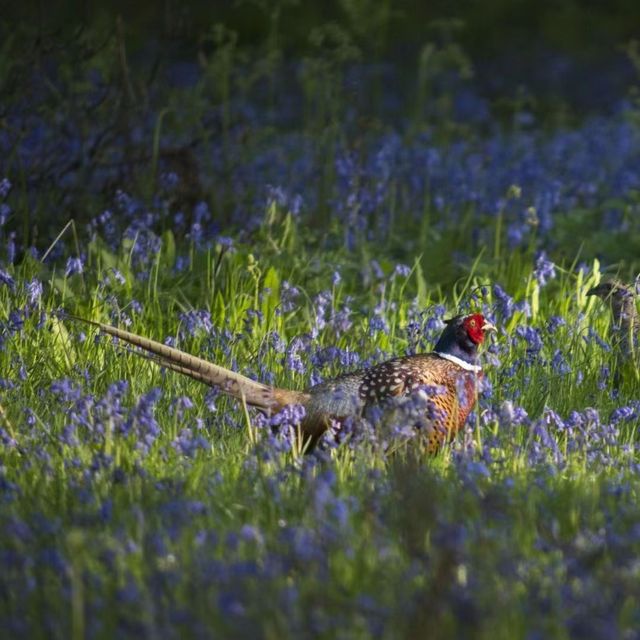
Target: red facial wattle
[[473, 325]]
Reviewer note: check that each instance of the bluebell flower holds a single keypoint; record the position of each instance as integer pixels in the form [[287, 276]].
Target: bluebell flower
[[554, 323], [11, 247], [510, 414], [378, 273], [544, 270], [146, 243], [67, 390], [292, 415], [402, 271], [117, 275], [552, 419], [7, 280], [231, 605], [288, 296], [194, 322], [169, 181], [136, 306], [276, 195], [295, 205], [179, 405], [624, 414], [74, 265], [179, 219], [5, 187], [341, 319], [34, 291], [188, 444], [592, 334], [604, 376], [560, 364], [276, 342], [322, 303], [378, 323], [141, 420], [226, 242], [348, 359], [250, 533], [532, 337], [435, 322], [293, 361], [182, 263], [126, 204], [516, 234], [504, 302], [5, 212]]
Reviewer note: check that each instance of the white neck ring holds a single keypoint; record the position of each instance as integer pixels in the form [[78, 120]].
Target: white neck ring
[[467, 366]]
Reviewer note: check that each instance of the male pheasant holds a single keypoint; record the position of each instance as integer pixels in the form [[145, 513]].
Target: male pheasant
[[448, 376]]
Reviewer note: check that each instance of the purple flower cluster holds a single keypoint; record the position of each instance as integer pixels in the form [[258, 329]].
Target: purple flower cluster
[[170, 514]]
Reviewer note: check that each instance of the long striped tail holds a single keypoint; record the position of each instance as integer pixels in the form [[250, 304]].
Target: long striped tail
[[267, 398]]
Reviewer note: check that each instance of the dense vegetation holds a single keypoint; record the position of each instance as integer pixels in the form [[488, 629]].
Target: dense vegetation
[[292, 218]]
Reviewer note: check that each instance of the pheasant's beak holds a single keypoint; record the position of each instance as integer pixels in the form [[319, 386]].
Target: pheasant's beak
[[487, 326]]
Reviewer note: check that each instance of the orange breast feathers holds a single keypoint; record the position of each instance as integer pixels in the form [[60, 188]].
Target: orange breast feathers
[[451, 388]]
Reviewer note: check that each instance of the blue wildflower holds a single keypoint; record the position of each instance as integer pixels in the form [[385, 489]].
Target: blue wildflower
[[7, 280], [544, 270], [559, 363], [293, 361], [532, 337], [188, 444], [34, 290], [624, 414], [179, 405], [195, 322], [74, 265], [554, 323], [402, 271], [292, 415], [504, 302], [225, 242], [169, 181], [378, 323], [288, 296], [5, 187], [5, 212]]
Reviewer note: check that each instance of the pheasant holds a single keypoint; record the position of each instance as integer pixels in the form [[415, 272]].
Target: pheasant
[[448, 376], [626, 321]]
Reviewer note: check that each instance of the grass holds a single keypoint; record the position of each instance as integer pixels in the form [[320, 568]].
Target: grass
[[112, 528]]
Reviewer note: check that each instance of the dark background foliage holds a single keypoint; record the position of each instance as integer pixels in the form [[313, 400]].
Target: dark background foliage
[[512, 37], [587, 27], [99, 97]]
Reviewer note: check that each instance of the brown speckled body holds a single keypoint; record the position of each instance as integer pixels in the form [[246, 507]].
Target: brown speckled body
[[450, 389]]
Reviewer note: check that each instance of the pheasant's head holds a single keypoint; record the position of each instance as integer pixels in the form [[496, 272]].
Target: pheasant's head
[[622, 300], [611, 289], [462, 335]]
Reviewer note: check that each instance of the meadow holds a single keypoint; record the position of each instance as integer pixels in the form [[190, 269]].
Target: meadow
[[291, 221]]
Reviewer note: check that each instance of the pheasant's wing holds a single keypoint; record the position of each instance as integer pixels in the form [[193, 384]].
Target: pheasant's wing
[[450, 388], [402, 376]]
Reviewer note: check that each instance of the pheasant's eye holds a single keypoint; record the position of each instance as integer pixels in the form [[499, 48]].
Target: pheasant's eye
[[472, 324]]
